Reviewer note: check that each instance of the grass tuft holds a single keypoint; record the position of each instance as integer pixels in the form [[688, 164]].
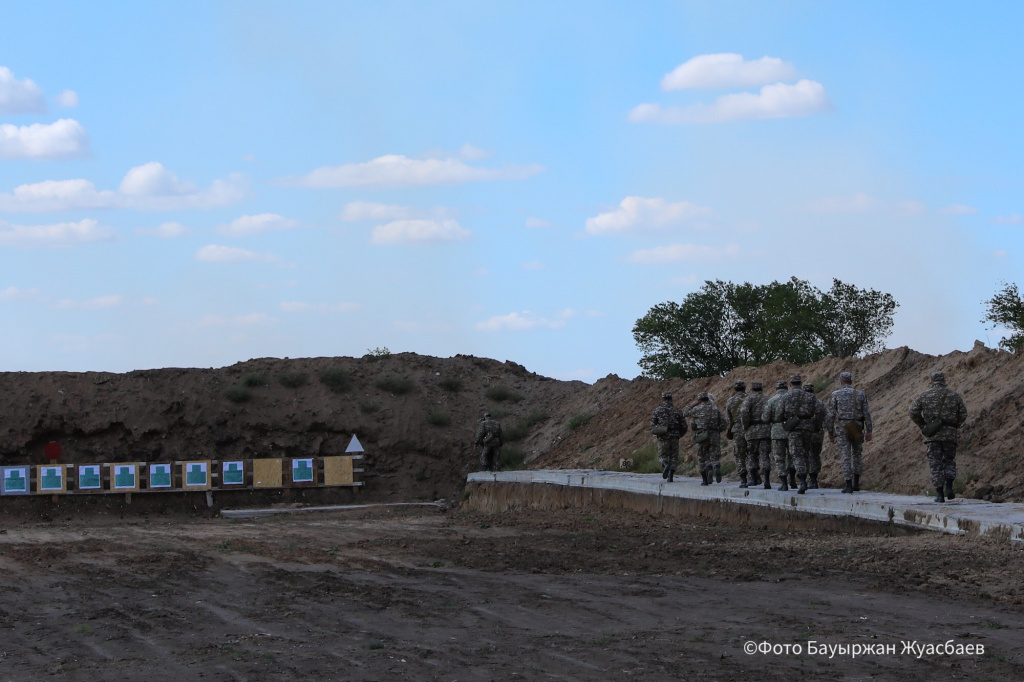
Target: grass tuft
[[293, 380], [336, 379], [396, 385], [450, 384], [500, 394], [238, 394], [579, 419]]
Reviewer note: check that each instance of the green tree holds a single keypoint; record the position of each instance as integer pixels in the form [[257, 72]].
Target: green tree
[[1006, 309], [724, 325]]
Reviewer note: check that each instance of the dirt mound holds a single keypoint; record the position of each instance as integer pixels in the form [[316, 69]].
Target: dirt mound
[[415, 415], [990, 457]]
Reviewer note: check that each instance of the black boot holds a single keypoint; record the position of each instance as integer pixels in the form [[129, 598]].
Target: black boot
[[755, 478], [813, 485], [949, 490], [767, 480], [939, 497], [783, 479], [803, 483], [743, 480], [792, 478], [671, 475], [704, 477], [718, 473], [849, 486], [664, 471], [856, 483]]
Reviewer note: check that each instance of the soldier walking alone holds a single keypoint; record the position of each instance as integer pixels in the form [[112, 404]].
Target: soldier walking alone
[[708, 424], [757, 434], [847, 409], [489, 435], [735, 432], [940, 412], [668, 424]]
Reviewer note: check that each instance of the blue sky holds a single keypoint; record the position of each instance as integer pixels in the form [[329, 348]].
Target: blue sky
[[193, 184]]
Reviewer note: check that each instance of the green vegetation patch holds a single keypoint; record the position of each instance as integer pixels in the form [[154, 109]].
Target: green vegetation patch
[[512, 458], [336, 379], [253, 380], [500, 394], [293, 380], [450, 384], [645, 460], [396, 385], [580, 419], [238, 394]]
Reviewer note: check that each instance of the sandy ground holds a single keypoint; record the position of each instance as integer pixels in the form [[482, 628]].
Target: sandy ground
[[422, 594]]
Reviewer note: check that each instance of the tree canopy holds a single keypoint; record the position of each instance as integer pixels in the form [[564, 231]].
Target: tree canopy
[[724, 325], [1006, 309]]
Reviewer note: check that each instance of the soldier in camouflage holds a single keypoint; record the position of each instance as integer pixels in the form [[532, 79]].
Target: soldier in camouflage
[[735, 431], [817, 439], [669, 417], [940, 412], [490, 437], [708, 422], [848, 423], [780, 439], [797, 409], [757, 434]]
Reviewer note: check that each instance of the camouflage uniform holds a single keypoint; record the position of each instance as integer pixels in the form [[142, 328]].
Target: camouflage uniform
[[847, 404], [798, 406], [668, 444], [780, 439], [707, 418], [939, 402], [817, 438], [739, 443], [492, 445], [756, 432]]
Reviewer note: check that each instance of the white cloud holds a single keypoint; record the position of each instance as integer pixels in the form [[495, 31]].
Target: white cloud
[[395, 170], [149, 187], [725, 71], [780, 100], [533, 265], [168, 230], [212, 253], [958, 209], [237, 320], [302, 307], [90, 304], [16, 294], [1012, 219], [419, 232], [58, 235], [636, 213], [674, 253], [19, 96], [63, 139], [67, 99], [537, 222], [356, 211], [518, 322], [256, 224]]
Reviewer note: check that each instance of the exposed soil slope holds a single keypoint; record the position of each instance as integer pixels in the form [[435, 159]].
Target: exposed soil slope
[[398, 407]]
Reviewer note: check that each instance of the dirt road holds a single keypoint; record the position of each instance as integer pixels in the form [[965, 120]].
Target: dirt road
[[427, 595]]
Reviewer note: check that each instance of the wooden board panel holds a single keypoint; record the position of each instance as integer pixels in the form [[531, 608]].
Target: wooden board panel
[[266, 473], [121, 474], [337, 471], [196, 475], [51, 479]]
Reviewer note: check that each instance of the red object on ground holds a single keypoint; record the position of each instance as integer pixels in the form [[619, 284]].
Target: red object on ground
[[52, 450]]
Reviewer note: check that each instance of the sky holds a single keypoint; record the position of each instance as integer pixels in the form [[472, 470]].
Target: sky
[[193, 184]]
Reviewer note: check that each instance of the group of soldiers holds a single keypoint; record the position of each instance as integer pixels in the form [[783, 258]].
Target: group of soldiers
[[789, 428]]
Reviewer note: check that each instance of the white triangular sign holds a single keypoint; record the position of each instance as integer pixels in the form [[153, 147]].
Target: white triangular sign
[[354, 445]]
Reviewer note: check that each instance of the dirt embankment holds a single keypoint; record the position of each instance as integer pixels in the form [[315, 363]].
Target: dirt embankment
[[415, 415]]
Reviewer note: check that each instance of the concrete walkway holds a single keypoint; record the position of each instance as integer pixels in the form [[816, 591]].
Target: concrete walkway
[[959, 516]]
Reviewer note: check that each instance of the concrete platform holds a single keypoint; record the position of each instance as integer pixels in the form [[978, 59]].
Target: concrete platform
[[959, 516]]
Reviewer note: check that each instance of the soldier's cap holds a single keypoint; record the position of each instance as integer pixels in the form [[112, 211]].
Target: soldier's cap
[[739, 384], [487, 414], [809, 387], [667, 395], [937, 377], [795, 380], [703, 395], [846, 376], [781, 384], [755, 385]]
